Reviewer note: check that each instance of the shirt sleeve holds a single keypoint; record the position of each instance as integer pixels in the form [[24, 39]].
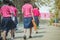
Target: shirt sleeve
[[39, 13], [16, 11]]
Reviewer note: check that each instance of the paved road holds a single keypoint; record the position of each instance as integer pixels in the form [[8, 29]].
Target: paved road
[[45, 33]]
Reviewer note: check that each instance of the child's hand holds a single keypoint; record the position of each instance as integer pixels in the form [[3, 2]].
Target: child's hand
[[33, 19]]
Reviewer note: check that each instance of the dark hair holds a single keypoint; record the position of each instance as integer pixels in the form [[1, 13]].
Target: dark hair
[[5, 1], [27, 1], [34, 6], [11, 3]]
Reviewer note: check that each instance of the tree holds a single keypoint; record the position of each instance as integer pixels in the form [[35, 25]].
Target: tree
[[19, 4], [57, 3]]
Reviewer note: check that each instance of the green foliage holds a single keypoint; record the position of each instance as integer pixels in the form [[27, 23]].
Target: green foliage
[[57, 2], [18, 4], [0, 3]]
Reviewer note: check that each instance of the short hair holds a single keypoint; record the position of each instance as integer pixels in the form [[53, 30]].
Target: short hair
[[34, 6], [5, 1], [27, 1], [11, 3]]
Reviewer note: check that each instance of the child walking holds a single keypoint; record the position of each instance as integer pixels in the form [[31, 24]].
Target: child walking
[[27, 17], [36, 14]]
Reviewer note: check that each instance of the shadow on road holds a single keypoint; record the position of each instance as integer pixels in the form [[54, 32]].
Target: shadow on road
[[42, 32], [39, 36]]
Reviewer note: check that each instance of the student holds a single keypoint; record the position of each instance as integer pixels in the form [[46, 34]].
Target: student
[[7, 23], [13, 10], [27, 17], [36, 14]]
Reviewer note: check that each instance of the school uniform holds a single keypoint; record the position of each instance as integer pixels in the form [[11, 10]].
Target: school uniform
[[36, 14], [7, 23], [27, 20], [14, 11]]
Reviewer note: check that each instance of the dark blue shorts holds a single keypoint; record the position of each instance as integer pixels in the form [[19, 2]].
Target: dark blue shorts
[[7, 24], [36, 20], [28, 22]]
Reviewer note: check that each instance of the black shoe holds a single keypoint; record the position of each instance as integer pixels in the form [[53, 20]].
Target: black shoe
[[13, 36], [24, 37], [0, 38], [36, 32], [30, 36]]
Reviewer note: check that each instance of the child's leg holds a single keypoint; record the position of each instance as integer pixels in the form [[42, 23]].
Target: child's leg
[[30, 33], [12, 33], [25, 31], [4, 35], [0, 35], [36, 29]]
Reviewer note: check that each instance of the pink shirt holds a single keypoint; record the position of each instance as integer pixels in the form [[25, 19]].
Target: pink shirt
[[5, 11], [27, 9], [36, 12], [13, 10]]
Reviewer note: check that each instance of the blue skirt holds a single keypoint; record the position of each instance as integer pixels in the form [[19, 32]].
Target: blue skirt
[[28, 22], [8, 24], [36, 20]]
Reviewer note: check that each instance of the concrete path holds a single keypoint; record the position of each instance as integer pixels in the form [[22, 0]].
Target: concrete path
[[45, 33]]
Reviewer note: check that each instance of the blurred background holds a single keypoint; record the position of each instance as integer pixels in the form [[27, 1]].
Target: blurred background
[[50, 16], [49, 9]]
